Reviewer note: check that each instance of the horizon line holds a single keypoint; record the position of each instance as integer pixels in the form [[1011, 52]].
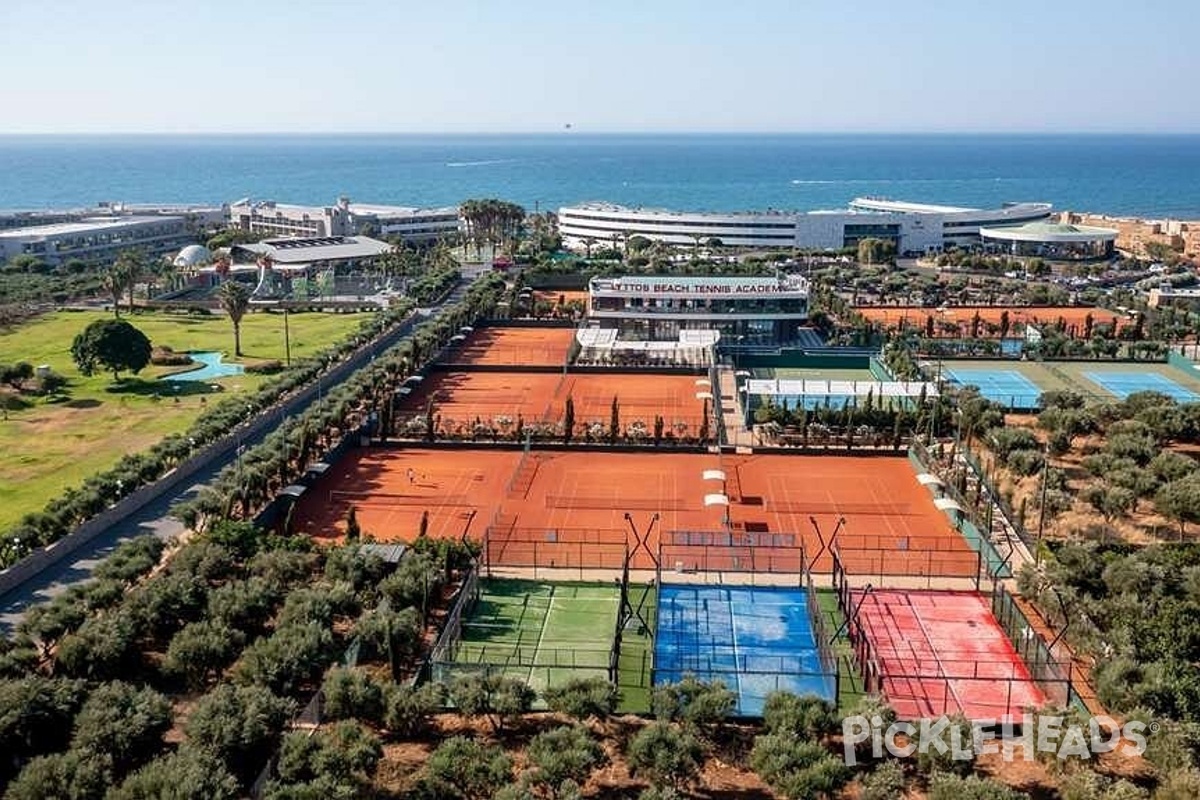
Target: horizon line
[[585, 132]]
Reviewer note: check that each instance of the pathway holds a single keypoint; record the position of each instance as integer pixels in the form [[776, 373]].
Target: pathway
[[154, 519]]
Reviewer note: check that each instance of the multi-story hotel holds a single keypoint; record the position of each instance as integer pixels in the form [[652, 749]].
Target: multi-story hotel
[[914, 227], [743, 311], [344, 218], [95, 239]]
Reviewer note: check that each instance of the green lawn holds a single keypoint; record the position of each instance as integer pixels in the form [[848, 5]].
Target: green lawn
[[52, 446]]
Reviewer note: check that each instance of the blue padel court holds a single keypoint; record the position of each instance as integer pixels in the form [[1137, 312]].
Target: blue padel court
[[1005, 386], [1123, 384], [754, 639]]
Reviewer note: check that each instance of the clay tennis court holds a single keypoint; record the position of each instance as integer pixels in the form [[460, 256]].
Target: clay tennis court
[[455, 487], [461, 397], [567, 509], [515, 347], [941, 652], [916, 316]]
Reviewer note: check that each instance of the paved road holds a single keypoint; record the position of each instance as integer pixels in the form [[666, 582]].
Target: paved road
[[154, 518]]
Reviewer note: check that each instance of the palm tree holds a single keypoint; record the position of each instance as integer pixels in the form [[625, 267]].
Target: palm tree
[[235, 299], [119, 276]]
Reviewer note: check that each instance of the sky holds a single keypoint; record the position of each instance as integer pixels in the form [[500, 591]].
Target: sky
[[308, 66]]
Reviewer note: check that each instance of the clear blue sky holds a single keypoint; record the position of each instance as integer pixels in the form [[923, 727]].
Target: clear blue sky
[[601, 65]]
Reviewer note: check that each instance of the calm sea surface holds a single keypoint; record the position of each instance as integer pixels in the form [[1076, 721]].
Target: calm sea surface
[[1126, 174]]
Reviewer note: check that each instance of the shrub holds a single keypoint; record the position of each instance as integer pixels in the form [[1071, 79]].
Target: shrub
[[382, 628], [164, 356], [244, 605], [581, 698], [566, 753], [238, 725], [122, 722], [885, 782], [350, 694], [795, 768], [804, 716], [665, 755], [340, 758], [187, 774], [202, 649], [72, 774], [1026, 462], [287, 659], [496, 697], [131, 560], [462, 767], [693, 701], [101, 649], [36, 715], [945, 786], [270, 367], [937, 753], [408, 710]]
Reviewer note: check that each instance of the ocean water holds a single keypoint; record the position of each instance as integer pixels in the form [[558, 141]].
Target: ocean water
[[1147, 175]]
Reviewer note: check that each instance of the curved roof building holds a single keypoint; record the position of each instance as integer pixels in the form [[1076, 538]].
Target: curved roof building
[[914, 227], [1050, 240], [194, 255]]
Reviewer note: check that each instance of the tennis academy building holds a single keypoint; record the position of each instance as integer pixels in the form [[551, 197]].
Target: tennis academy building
[[914, 227], [738, 311]]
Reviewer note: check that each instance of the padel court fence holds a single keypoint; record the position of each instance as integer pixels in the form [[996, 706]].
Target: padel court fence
[[715, 552], [929, 562], [555, 548], [521, 654], [940, 681]]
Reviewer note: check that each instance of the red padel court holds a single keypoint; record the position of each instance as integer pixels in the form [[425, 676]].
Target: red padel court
[[942, 652]]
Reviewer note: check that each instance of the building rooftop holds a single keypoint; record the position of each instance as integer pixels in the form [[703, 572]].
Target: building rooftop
[[323, 248], [89, 225], [904, 207], [1048, 232]]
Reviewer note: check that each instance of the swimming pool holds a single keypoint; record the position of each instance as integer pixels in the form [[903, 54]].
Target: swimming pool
[[211, 368]]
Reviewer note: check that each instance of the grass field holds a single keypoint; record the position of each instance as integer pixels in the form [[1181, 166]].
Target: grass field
[[53, 446]]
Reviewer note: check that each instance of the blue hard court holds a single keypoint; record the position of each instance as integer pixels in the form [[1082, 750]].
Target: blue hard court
[[1005, 386], [755, 639], [1123, 384]]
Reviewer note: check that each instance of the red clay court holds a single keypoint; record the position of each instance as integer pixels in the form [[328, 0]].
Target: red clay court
[[941, 652], [516, 347], [460, 397], [1072, 316], [568, 508]]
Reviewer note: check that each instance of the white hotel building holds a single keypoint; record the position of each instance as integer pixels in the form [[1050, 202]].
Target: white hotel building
[[743, 311], [914, 227], [415, 225]]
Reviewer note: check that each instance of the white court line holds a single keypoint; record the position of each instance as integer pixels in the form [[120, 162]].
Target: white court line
[[542, 638], [933, 649], [737, 675]]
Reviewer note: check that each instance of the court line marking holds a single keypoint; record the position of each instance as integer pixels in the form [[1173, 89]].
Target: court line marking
[[737, 674], [933, 650], [542, 637]]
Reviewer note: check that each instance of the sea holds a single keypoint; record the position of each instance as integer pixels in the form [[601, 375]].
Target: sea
[[1141, 175]]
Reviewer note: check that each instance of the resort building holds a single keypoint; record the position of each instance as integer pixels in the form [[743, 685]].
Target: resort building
[[312, 254], [1145, 238], [914, 227], [1055, 241], [415, 225], [740, 311], [98, 239]]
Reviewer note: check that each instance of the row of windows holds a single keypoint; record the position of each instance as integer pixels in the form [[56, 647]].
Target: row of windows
[[568, 219], [565, 228], [679, 306], [988, 222]]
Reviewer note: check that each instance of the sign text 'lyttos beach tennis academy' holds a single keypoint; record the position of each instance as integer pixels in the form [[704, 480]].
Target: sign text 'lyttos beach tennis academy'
[[700, 287]]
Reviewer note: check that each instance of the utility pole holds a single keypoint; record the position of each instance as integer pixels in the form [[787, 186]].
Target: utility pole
[[287, 338], [1037, 556]]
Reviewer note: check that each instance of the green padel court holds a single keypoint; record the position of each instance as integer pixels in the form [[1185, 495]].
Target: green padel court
[[542, 633]]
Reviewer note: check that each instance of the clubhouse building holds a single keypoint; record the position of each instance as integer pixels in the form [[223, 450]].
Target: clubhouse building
[[1057, 242], [737, 311], [915, 227]]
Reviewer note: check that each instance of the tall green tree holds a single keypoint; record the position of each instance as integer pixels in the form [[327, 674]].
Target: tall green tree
[[234, 298], [112, 344]]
